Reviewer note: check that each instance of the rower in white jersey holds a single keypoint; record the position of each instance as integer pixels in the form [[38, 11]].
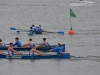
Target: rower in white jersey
[[29, 44]]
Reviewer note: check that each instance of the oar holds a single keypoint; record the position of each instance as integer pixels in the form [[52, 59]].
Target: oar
[[12, 28], [18, 30], [59, 32]]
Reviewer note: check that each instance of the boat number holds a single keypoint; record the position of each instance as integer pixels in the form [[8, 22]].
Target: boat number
[[13, 56]]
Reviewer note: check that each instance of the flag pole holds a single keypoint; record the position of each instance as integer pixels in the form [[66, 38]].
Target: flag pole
[[71, 32], [71, 23]]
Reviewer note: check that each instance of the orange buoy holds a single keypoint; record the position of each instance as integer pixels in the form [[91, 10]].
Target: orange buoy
[[71, 32]]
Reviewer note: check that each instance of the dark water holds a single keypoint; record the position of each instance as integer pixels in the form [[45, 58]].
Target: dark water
[[53, 16]]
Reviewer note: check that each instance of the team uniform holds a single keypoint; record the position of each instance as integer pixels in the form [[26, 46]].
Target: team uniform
[[31, 53], [47, 44], [58, 49], [34, 29], [3, 45], [18, 44], [31, 45], [10, 52]]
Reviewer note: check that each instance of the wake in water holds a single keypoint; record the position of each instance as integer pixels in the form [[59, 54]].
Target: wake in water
[[96, 58]]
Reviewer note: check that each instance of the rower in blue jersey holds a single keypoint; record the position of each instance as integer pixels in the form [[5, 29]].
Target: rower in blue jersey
[[29, 44], [2, 44], [44, 43], [33, 28], [33, 50], [39, 28], [58, 49], [11, 51], [17, 43]]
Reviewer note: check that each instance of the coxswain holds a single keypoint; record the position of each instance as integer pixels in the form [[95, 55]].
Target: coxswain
[[57, 49]]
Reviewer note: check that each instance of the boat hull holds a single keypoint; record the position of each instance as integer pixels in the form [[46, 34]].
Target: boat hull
[[45, 49], [48, 56]]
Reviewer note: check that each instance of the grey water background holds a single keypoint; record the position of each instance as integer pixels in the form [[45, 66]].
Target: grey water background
[[54, 16]]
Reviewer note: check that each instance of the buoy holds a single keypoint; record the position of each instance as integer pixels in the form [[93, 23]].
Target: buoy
[[71, 32]]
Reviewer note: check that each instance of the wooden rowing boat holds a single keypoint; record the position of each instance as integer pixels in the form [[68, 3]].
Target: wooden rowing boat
[[47, 56], [38, 48]]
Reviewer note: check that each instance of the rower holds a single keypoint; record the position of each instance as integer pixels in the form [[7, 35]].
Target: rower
[[17, 43], [11, 51], [44, 43], [39, 28], [58, 49], [2, 44], [33, 50], [29, 44], [33, 28]]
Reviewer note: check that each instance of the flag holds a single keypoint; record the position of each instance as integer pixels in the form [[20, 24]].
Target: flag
[[72, 13]]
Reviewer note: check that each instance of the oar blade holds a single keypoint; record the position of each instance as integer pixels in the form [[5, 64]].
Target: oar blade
[[60, 32], [18, 32], [12, 28]]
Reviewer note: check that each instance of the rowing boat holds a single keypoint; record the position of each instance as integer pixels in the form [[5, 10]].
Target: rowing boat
[[36, 32], [31, 32], [38, 48], [47, 56]]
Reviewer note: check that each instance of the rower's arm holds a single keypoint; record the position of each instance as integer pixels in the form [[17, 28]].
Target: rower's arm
[[26, 44], [15, 44], [55, 49], [12, 50]]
